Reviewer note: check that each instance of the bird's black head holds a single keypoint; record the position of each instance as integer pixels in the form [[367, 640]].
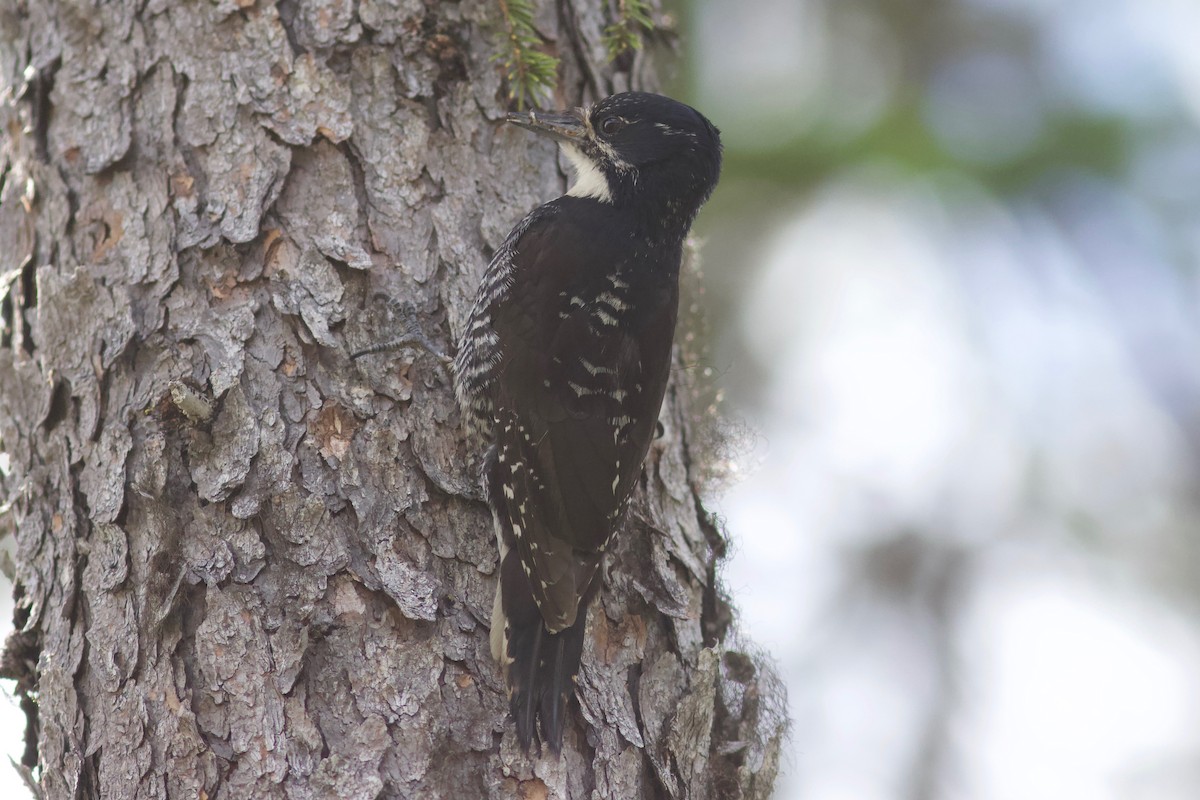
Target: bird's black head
[[637, 148]]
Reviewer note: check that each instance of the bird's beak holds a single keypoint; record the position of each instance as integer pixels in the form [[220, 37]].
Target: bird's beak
[[564, 127]]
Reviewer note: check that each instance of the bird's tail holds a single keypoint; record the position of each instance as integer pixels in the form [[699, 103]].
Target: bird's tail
[[540, 667]]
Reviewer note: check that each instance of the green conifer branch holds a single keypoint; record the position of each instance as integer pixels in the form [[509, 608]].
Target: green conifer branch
[[625, 33], [529, 72]]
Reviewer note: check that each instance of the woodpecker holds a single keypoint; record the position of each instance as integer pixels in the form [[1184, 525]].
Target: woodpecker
[[561, 371]]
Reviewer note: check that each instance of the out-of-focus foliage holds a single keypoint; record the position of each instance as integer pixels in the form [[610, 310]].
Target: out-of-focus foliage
[[952, 268]]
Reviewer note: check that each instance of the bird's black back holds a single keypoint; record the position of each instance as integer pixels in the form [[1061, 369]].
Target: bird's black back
[[586, 335]]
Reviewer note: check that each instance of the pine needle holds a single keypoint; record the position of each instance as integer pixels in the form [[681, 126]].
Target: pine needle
[[529, 72], [625, 33]]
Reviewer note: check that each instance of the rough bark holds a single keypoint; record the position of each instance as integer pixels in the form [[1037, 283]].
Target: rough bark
[[248, 566]]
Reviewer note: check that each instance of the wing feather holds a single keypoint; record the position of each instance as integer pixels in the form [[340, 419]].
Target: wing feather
[[576, 395]]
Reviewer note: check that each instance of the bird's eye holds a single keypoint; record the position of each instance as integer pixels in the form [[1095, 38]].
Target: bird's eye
[[611, 125]]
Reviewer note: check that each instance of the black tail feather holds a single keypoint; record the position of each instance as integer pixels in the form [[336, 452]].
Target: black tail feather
[[558, 676], [524, 647], [542, 681], [541, 677]]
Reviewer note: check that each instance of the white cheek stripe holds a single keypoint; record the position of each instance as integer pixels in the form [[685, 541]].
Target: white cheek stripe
[[589, 180]]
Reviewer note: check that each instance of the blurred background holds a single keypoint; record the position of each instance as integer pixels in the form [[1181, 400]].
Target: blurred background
[[952, 280]]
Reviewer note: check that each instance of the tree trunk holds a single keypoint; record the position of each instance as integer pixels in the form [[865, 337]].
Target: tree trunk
[[249, 566]]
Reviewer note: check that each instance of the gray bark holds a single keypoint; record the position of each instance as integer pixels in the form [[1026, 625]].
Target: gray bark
[[247, 566]]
